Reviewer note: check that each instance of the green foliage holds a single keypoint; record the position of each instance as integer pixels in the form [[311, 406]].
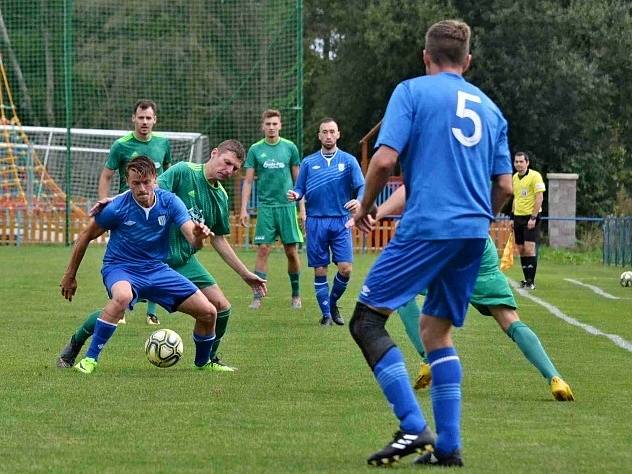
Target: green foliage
[[559, 71], [303, 399]]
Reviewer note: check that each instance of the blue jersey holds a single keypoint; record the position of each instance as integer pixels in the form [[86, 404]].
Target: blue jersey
[[452, 140], [328, 184], [138, 235]]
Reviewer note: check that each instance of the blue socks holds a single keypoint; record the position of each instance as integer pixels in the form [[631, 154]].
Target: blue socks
[[392, 377], [102, 333], [338, 288], [203, 345], [445, 393], [321, 287]]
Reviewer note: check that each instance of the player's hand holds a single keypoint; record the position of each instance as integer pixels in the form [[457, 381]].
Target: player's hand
[[68, 286], [531, 224], [302, 215], [365, 219], [292, 195], [352, 205], [257, 283], [99, 205], [244, 218], [201, 230]]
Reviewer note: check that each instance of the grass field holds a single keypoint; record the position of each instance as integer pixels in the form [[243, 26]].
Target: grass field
[[303, 399]]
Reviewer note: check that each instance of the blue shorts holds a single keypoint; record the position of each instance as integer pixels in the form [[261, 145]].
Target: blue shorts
[[160, 284], [325, 234], [447, 268]]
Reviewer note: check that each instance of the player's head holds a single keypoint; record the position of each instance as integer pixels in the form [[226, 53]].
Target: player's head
[[448, 45], [141, 179], [144, 118], [271, 124], [328, 133], [226, 159], [521, 162]]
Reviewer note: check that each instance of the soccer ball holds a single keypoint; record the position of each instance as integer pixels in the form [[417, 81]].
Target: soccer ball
[[164, 347], [626, 278]]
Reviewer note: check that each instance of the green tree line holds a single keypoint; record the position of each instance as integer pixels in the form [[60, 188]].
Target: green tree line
[[559, 70]]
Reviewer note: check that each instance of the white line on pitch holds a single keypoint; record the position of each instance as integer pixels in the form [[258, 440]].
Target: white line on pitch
[[596, 289], [617, 340]]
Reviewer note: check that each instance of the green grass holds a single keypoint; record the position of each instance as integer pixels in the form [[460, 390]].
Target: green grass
[[303, 399]]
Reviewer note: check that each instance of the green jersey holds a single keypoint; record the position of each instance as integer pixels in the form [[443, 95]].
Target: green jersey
[[273, 167], [128, 147], [207, 203]]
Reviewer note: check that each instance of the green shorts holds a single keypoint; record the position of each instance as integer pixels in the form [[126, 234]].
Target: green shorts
[[196, 273], [492, 287], [273, 222]]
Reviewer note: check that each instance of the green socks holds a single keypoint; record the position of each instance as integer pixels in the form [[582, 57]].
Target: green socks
[[151, 308], [220, 329], [532, 349], [409, 314], [294, 281], [87, 327]]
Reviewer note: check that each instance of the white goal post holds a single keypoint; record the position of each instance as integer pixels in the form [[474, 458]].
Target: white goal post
[[46, 146]]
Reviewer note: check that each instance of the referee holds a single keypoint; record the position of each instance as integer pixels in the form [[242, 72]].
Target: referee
[[528, 189]]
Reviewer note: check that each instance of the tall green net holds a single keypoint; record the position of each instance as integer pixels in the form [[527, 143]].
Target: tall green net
[[211, 66]]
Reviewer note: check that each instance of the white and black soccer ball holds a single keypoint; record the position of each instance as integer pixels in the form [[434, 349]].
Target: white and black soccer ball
[[164, 347], [626, 278]]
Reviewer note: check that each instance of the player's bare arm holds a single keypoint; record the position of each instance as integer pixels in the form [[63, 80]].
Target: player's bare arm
[[537, 205], [380, 168], [68, 282], [195, 233], [393, 205], [225, 250], [302, 213], [502, 189], [105, 180], [245, 196]]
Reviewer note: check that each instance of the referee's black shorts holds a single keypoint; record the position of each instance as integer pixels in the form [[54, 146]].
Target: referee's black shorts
[[521, 233]]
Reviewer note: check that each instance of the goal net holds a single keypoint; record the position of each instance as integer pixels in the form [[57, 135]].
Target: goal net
[[33, 164]]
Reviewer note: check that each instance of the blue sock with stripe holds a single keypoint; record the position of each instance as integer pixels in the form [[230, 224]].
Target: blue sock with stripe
[[102, 333], [321, 287], [445, 393], [338, 288], [203, 346], [392, 377]]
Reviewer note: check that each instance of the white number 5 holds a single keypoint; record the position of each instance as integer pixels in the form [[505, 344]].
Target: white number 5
[[463, 112]]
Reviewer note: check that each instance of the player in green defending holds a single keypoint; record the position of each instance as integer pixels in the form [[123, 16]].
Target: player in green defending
[[492, 297], [198, 185], [142, 141]]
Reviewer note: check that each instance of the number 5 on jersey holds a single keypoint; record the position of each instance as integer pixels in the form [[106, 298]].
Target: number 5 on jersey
[[463, 112]]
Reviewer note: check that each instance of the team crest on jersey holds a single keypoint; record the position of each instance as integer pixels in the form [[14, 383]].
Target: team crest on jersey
[[341, 167], [162, 220], [524, 192]]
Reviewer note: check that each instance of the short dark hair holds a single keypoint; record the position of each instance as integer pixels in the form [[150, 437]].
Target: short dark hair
[[522, 153], [144, 166], [448, 42], [326, 120], [270, 113], [233, 145], [145, 104]]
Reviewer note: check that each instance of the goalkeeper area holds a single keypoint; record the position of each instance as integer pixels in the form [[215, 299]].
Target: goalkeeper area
[[33, 162]]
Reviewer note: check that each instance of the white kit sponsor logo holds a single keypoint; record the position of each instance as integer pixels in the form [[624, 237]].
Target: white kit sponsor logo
[[273, 164]]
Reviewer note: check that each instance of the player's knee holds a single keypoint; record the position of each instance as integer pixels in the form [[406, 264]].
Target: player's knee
[[122, 299], [368, 330], [264, 250], [345, 269]]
